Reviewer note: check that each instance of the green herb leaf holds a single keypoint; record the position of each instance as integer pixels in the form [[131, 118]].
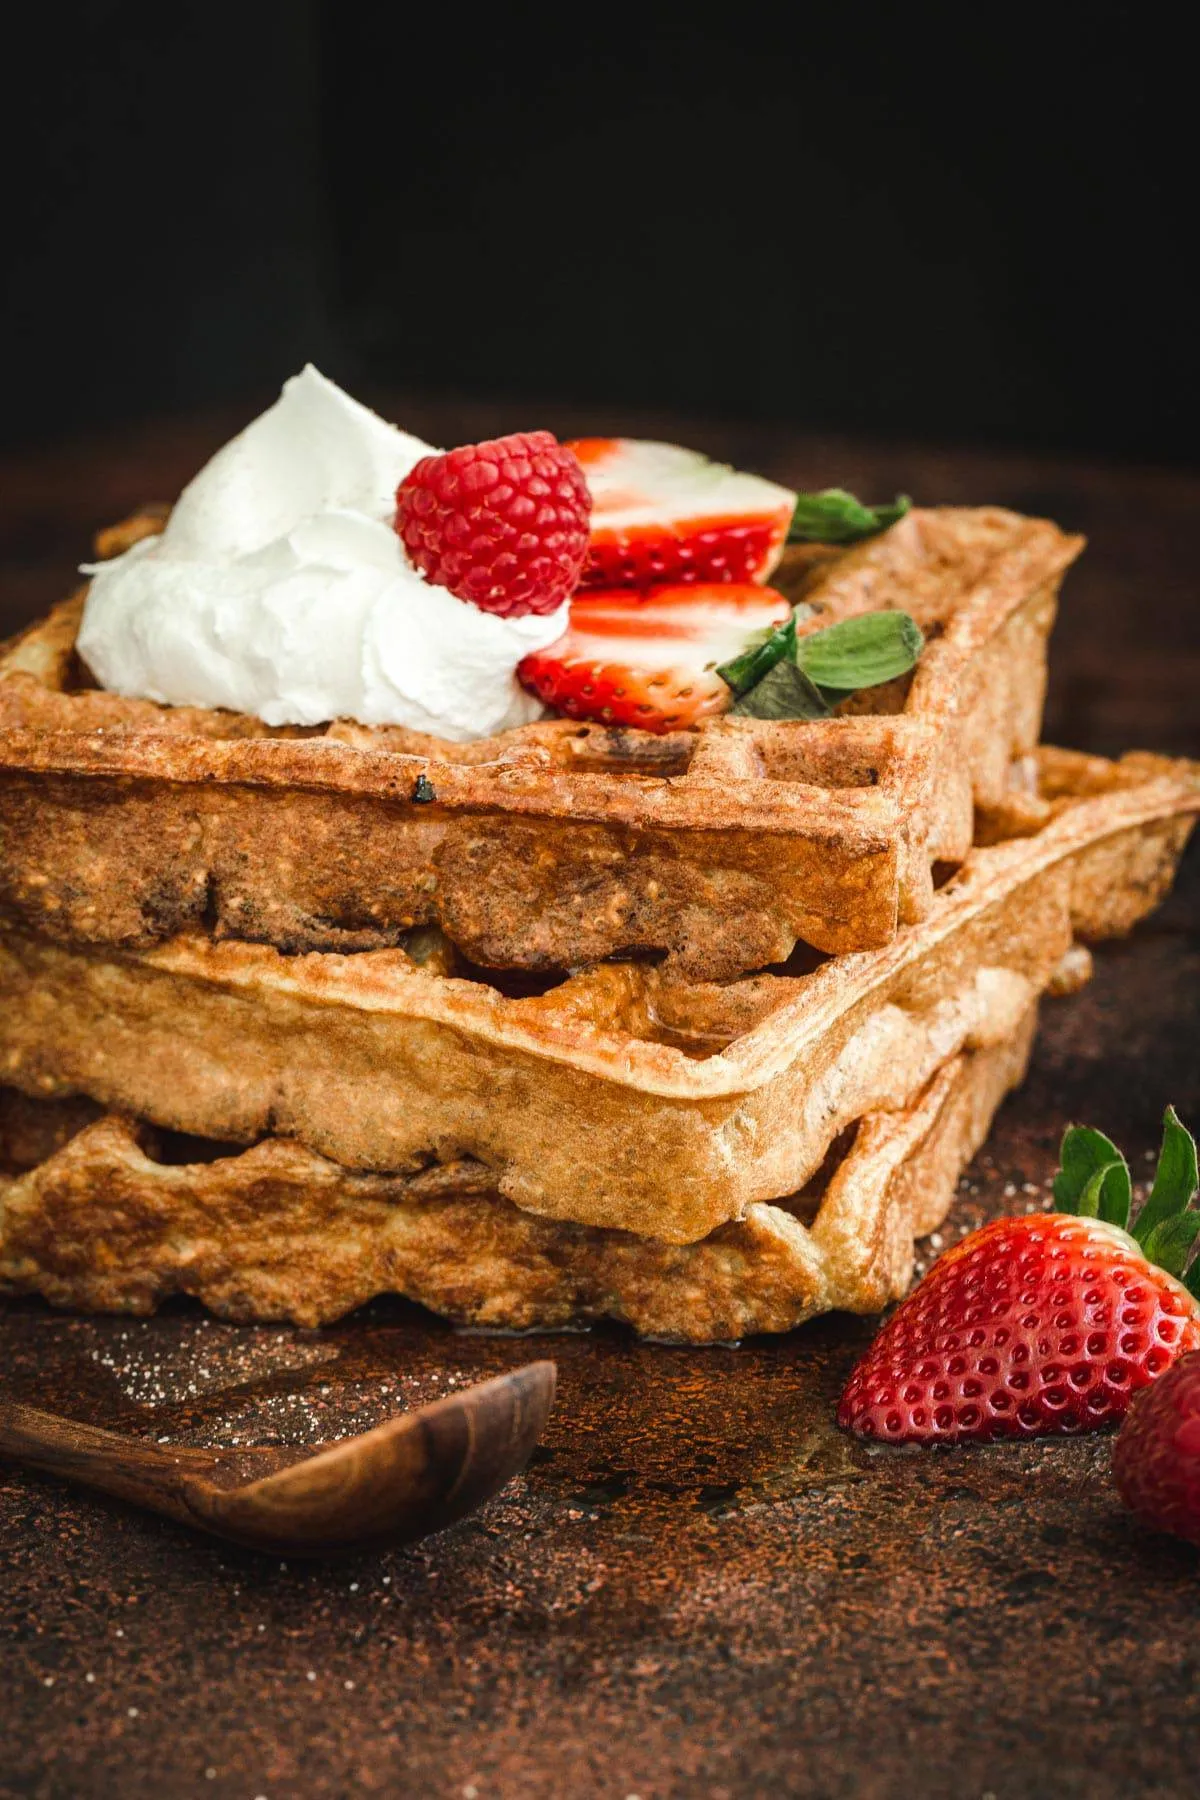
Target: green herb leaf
[[1170, 1243], [785, 692], [852, 654], [862, 651], [765, 649], [835, 517], [1086, 1153], [1191, 1280], [1175, 1179]]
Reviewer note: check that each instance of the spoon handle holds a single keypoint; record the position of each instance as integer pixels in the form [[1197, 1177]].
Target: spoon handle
[[130, 1468]]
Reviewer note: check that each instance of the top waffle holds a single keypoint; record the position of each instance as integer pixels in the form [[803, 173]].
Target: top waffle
[[554, 845]]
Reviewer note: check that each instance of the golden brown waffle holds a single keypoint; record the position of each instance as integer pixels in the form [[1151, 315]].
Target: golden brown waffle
[[616, 1098], [107, 1223], [555, 845]]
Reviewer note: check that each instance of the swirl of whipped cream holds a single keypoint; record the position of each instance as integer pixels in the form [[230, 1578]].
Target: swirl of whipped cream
[[279, 588]]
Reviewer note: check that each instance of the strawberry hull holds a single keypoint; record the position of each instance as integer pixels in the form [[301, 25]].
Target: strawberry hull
[[662, 514]]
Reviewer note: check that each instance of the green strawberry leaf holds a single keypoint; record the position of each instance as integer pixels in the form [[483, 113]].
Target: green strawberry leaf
[[1106, 1195], [785, 692], [1169, 1244], [1066, 1200], [835, 517], [1175, 1179], [1084, 1155], [862, 651]]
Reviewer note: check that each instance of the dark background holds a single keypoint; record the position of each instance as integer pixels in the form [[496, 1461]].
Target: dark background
[[951, 223]]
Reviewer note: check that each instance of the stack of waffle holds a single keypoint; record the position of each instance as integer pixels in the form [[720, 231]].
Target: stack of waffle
[[695, 1032]]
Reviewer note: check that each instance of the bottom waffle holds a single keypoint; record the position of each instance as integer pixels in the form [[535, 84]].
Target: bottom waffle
[[108, 1218]]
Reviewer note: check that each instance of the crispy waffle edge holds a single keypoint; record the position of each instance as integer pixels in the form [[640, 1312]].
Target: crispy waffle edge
[[616, 1099], [277, 1232]]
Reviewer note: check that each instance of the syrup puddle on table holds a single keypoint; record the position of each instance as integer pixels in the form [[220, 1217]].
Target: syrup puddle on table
[[822, 1457]]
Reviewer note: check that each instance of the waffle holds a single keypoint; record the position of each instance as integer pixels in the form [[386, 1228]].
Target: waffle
[[616, 1098], [103, 1221], [554, 845]]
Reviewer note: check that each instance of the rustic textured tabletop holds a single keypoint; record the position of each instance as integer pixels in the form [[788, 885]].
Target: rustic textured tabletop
[[698, 1586]]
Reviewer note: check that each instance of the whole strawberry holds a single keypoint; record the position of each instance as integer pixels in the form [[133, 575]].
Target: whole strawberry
[[502, 524], [1045, 1323], [1156, 1461]]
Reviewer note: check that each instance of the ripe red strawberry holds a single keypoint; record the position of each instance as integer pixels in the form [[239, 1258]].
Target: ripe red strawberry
[[1048, 1323], [502, 524], [1156, 1461], [661, 514], [650, 659]]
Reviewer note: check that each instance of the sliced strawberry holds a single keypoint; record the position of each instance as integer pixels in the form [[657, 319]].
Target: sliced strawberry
[[650, 659], [664, 514]]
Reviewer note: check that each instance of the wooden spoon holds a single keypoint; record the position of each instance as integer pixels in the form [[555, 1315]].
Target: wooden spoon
[[414, 1475]]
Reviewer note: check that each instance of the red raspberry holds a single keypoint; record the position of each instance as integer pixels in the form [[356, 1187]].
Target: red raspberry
[[502, 524], [1157, 1457]]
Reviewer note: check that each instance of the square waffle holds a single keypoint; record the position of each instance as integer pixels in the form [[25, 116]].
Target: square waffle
[[103, 1214], [553, 845], [617, 1097]]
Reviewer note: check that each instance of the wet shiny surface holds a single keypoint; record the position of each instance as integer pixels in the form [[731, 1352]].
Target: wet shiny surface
[[698, 1586]]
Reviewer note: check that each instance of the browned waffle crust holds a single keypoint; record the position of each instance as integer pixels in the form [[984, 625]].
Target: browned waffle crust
[[556, 845], [617, 1098], [94, 1216]]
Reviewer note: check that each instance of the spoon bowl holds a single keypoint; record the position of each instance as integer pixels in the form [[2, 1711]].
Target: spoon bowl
[[411, 1476]]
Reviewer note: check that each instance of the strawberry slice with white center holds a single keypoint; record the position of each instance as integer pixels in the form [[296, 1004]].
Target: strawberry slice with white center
[[650, 658], [662, 514]]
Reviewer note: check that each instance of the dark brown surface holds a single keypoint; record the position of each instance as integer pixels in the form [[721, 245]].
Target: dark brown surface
[[416, 1473], [698, 1587]]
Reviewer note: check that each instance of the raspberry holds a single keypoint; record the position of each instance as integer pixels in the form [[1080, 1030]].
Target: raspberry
[[502, 524], [1157, 1459]]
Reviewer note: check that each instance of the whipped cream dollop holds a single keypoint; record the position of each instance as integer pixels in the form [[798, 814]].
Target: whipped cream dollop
[[279, 588]]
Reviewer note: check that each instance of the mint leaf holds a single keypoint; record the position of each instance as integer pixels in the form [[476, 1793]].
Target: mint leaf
[[763, 651], [862, 651], [1175, 1179], [1170, 1243], [759, 658], [1086, 1153], [1191, 1280], [808, 675], [835, 517], [785, 692]]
